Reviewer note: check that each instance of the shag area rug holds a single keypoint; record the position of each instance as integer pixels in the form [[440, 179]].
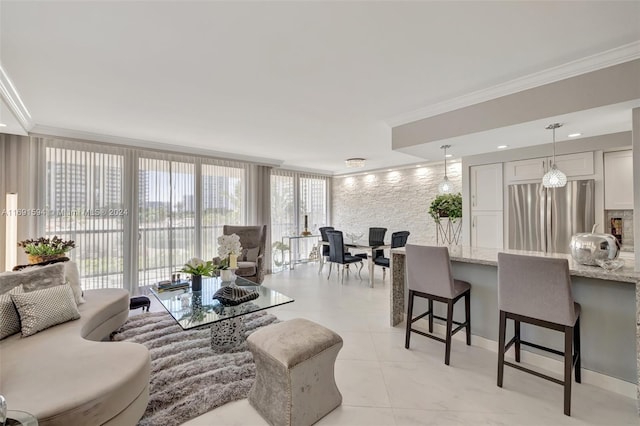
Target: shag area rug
[[188, 378]]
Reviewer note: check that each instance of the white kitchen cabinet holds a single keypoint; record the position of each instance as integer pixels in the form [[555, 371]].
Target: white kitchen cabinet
[[618, 180], [486, 205], [580, 164], [572, 165], [487, 229], [486, 187], [522, 170]]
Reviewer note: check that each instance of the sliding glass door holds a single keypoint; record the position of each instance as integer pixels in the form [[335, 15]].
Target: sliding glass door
[[295, 197], [84, 203], [166, 217]]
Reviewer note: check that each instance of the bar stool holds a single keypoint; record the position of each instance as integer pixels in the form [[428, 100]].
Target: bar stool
[[429, 276], [537, 291]]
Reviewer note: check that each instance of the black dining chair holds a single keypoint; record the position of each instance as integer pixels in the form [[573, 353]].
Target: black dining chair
[[398, 239], [376, 238], [337, 254]]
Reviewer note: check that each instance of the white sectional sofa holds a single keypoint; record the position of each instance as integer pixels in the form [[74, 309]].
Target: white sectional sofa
[[65, 375]]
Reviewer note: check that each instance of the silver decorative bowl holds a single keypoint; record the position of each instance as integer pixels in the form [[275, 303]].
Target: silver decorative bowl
[[610, 265]]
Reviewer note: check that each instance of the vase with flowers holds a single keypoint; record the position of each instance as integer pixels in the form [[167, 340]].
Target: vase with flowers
[[46, 249], [198, 268], [229, 248]]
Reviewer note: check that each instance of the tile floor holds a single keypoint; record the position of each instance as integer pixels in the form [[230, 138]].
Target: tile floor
[[384, 384]]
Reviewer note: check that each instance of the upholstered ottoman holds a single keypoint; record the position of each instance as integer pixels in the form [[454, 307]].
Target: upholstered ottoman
[[295, 383]]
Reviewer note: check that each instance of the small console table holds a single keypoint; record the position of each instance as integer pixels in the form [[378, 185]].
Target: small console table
[[293, 253]]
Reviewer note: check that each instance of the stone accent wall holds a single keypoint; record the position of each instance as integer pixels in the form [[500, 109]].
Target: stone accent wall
[[397, 200], [627, 226]]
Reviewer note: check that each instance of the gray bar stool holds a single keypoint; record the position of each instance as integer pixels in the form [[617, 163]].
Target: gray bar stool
[[429, 276], [537, 291]]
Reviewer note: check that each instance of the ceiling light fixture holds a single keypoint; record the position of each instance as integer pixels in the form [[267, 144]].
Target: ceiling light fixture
[[503, 146], [575, 135], [554, 178], [3, 125], [354, 162], [445, 186]]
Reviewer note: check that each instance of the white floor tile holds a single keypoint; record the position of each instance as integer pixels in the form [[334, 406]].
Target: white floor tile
[[359, 416], [361, 383], [384, 384]]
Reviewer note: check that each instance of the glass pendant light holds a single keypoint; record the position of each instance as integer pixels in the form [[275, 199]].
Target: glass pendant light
[[554, 178], [445, 186]]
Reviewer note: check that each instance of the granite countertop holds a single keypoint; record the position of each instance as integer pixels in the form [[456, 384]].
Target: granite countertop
[[486, 256]]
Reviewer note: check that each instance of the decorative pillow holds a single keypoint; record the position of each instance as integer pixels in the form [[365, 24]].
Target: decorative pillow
[[9, 318], [33, 278], [250, 254], [41, 309], [73, 279]]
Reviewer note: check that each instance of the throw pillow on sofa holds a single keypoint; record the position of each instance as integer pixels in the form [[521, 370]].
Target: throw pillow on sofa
[[33, 278], [72, 276], [41, 309], [9, 318]]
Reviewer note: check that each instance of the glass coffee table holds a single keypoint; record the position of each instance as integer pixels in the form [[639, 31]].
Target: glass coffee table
[[197, 309]]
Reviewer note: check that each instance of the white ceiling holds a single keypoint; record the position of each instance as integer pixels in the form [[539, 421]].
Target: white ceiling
[[307, 83]]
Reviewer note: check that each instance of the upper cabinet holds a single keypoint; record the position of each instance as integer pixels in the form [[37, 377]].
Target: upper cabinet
[[572, 165], [618, 180]]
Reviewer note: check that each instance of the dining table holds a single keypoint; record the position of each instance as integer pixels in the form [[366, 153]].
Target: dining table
[[369, 249]]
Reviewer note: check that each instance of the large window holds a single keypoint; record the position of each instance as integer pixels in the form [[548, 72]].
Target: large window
[[295, 196], [166, 217], [137, 216], [223, 202], [84, 201]]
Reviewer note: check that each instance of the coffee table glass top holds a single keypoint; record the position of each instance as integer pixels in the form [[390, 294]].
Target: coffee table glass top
[[193, 309]]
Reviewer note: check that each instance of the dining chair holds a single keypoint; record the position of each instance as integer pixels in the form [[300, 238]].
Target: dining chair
[[398, 239], [376, 238], [337, 254]]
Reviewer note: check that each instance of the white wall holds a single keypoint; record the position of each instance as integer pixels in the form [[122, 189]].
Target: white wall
[[398, 200]]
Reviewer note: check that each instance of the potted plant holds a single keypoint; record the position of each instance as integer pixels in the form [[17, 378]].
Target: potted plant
[[197, 268], [446, 205], [45, 249]]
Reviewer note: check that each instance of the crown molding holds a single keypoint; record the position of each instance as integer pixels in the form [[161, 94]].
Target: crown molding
[[56, 132], [608, 58], [14, 102]]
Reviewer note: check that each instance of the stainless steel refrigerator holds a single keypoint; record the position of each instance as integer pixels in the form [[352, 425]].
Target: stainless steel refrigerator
[[542, 219]]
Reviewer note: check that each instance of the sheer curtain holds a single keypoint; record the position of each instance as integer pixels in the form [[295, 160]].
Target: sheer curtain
[[136, 215], [295, 195], [22, 172], [166, 215], [84, 197], [223, 201]]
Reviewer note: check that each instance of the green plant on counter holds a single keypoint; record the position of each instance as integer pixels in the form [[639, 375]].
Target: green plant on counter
[[446, 205]]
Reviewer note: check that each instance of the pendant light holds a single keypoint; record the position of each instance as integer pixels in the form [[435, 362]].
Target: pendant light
[[554, 178], [445, 186]]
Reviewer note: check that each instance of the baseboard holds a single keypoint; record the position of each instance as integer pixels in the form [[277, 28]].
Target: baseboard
[[612, 384]]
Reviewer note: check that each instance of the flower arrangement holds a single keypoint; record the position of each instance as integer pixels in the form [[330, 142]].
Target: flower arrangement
[[228, 245], [42, 249], [196, 266]]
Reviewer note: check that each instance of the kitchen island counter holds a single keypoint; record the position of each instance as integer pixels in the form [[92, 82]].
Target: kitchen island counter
[[610, 319]]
